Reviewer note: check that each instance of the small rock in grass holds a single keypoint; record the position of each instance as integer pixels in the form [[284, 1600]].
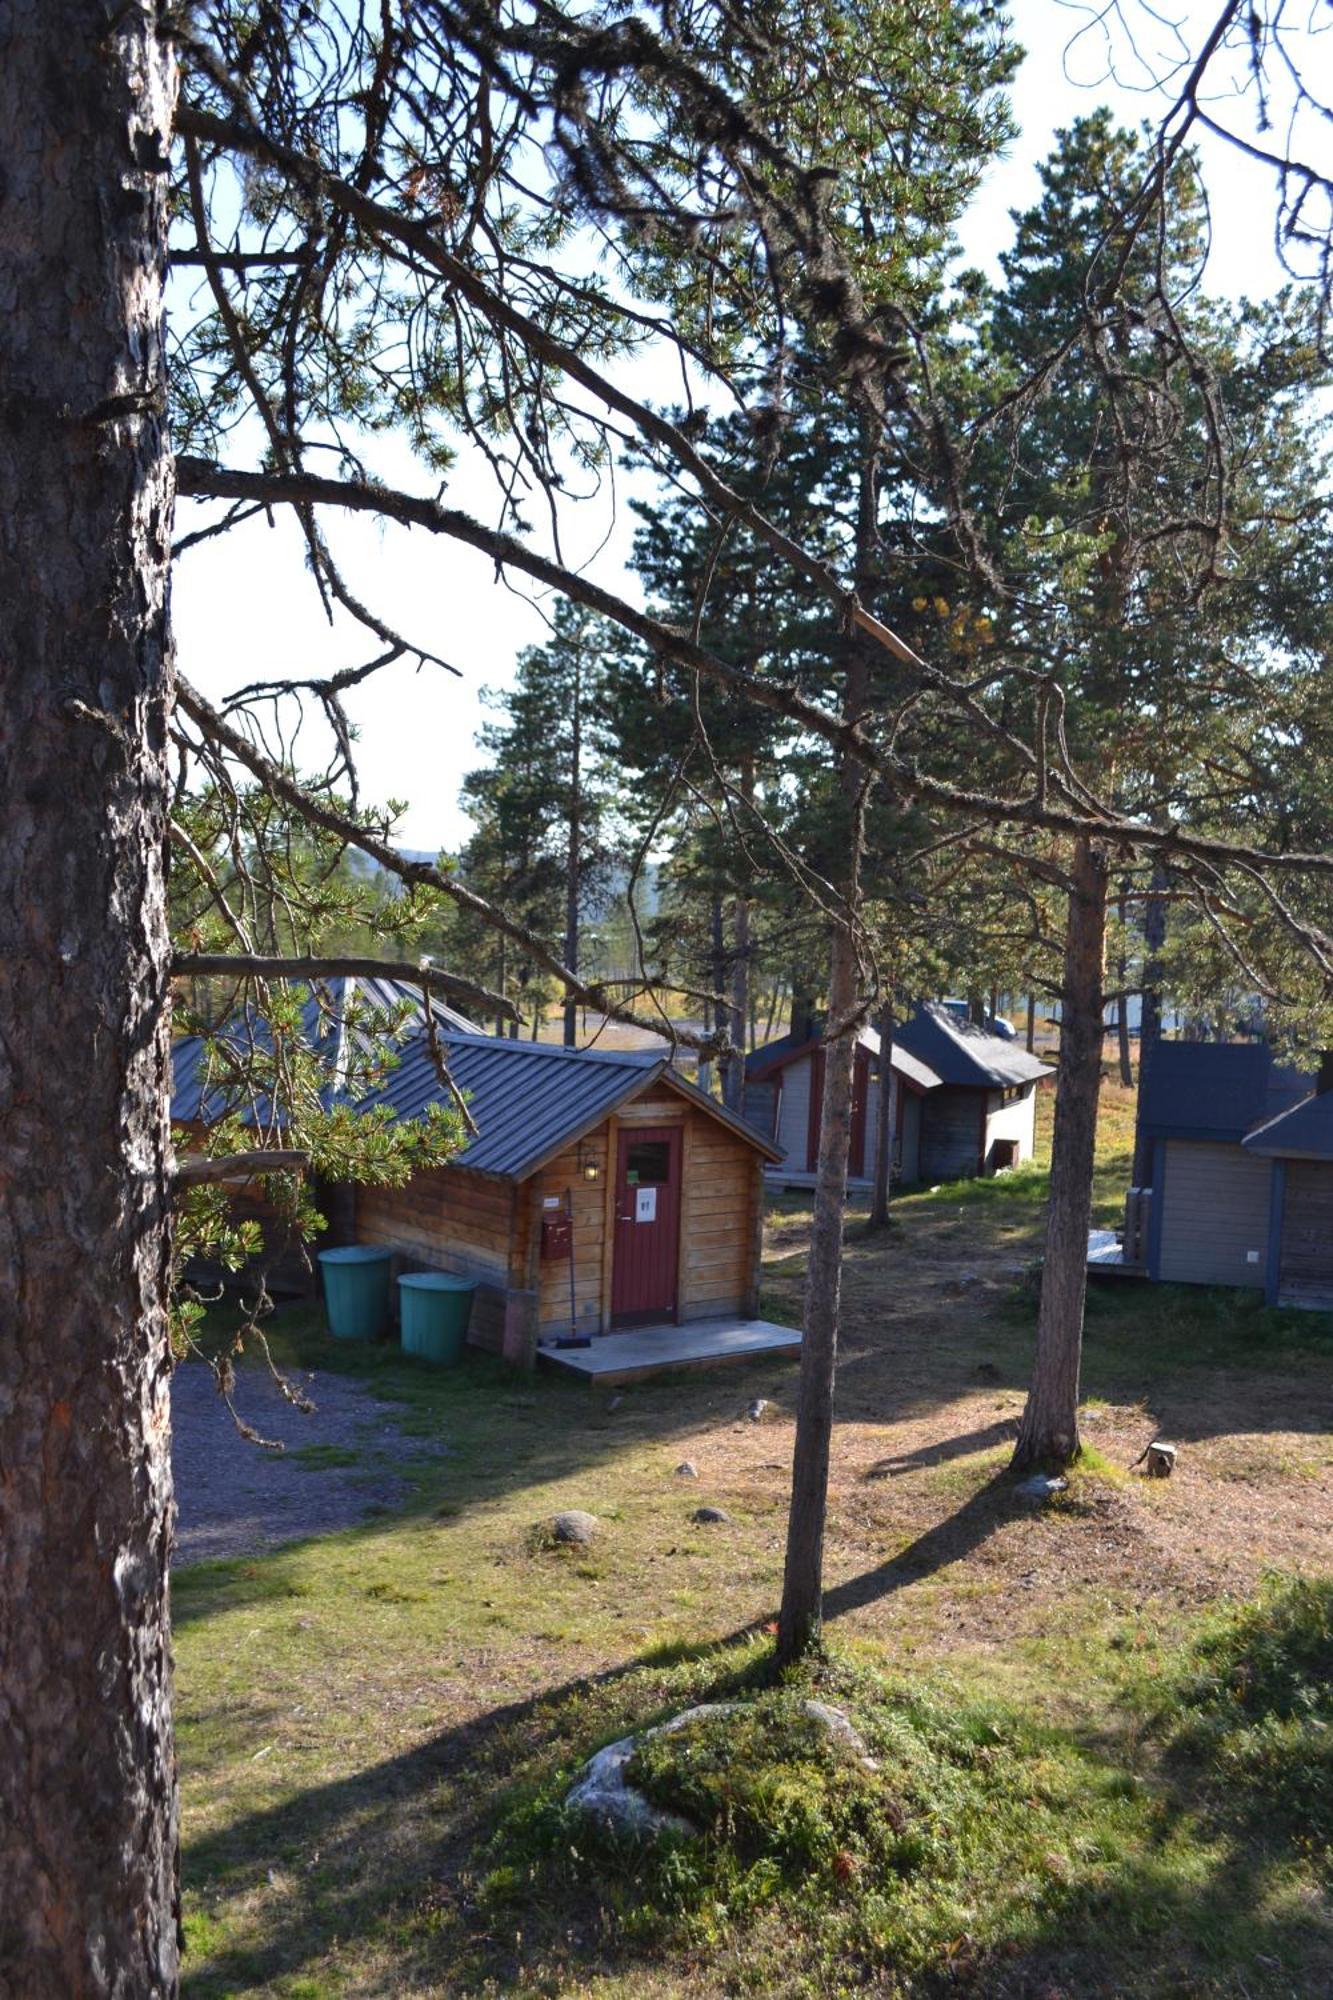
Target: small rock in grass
[[757, 1409], [687, 1469], [574, 1526], [706, 1514], [1040, 1488]]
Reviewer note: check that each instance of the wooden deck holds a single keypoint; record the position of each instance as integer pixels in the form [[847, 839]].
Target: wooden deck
[[660, 1350], [1106, 1257]]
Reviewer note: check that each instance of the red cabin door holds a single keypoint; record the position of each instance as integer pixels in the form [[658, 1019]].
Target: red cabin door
[[646, 1251]]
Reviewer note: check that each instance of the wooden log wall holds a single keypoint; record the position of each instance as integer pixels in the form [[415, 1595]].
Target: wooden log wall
[[592, 1210], [453, 1220], [721, 1195]]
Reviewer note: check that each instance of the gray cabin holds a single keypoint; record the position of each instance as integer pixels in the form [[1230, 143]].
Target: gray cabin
[[1242, 1181], [964, 1100]]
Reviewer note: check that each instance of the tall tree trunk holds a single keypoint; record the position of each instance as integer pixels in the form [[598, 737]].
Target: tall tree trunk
[[800, 1618], [1150, 1017], [88, 1901], [574, 854], [733, 1070], [1122, 1005], [717, 1010], [1048, 1435], [1032, 1023], [884, 1134]]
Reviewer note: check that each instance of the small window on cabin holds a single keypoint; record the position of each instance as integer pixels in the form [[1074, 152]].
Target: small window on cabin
[[648, 1163]]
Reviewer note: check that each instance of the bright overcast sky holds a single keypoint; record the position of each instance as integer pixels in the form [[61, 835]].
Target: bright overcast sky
[[245, 606]]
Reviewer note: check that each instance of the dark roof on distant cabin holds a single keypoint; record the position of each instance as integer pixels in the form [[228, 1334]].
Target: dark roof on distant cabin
[[962, 1054], [1214, 1091], [329, 1013], [1304, 1132], [932, 1047], [531, 1099]]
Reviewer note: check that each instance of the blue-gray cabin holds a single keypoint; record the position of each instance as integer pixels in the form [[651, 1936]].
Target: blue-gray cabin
[[1242, 1180]]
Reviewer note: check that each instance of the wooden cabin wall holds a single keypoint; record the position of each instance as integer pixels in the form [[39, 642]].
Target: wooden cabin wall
[[452, 1220], [1016, 1121], [952, 1126], [721, 1214], [591, 1208], [722, 1196]]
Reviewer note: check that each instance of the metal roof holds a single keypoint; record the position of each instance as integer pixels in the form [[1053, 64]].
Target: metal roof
[[532, 1099], [1214, 1091], [1305, 1132], [329, 1014], [930, 1048], [960, 1053]]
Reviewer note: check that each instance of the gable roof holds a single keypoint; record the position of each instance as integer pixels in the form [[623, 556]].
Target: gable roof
[[775, 1056], [1304, 1132], [532, 1099], [329, 1015], [1214, 1091], [962, 1054]]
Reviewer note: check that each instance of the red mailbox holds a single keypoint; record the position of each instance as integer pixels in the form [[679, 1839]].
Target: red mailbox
[[557, 1236]]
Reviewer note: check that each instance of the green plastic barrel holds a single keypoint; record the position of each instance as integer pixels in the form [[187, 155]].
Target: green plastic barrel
[[434, 1309], [356, 1291]]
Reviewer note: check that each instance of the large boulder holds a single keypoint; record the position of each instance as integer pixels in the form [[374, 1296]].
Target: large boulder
[[605, 1794]]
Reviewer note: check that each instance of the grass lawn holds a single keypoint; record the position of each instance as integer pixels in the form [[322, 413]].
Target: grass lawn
[[1100, 1769]]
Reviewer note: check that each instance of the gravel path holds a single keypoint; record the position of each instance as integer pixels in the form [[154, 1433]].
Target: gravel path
[[234, 1498]]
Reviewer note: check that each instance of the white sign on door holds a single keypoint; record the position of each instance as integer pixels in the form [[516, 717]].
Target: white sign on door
[[645, 1204]]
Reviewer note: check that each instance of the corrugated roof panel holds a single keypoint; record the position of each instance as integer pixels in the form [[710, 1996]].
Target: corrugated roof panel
[[528, 1098], [323, 1023]]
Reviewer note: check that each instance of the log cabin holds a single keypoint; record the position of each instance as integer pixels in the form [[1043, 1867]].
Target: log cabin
[[602, 1192], [964, 1100]]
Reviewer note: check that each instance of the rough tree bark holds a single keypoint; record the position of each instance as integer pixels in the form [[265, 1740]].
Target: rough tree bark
[[1122, 1004], [733, 1069], [1030, 1039], [574, 853], [884, 1135], [801, 1616], [1048, 1436], [1150, 1018], [88, 1900], [803, 1581]]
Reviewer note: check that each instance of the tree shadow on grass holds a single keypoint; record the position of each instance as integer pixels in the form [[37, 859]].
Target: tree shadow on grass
[[961, 1446], [949, 1541], [390, 1855], [378, 1871]]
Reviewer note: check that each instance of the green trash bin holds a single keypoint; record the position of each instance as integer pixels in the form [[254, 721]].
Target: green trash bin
[[434, 1309], [357, 1297]]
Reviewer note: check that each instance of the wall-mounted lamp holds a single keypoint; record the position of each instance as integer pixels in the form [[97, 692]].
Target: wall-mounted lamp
[[588, 1163]]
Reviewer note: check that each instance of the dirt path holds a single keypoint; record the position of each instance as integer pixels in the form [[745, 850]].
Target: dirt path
[[341, 1465]]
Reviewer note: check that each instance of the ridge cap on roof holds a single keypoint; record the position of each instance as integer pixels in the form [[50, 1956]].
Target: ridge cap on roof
[[627, 1058], [1272, 1118]]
